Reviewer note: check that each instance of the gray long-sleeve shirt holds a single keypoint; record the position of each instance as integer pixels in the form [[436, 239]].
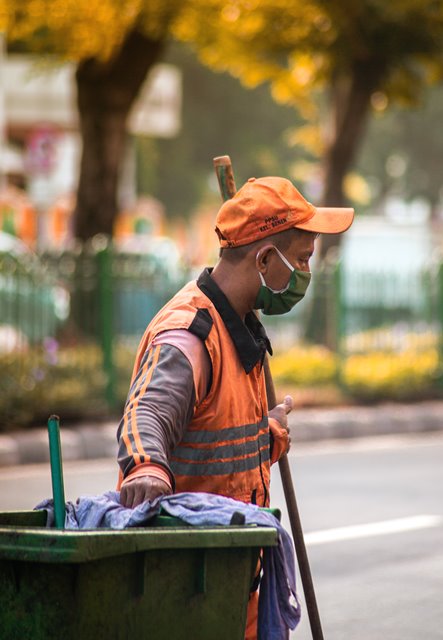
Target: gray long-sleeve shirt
[[171, 381]]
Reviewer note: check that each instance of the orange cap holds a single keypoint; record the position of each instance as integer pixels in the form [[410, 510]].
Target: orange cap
[[264, 206]]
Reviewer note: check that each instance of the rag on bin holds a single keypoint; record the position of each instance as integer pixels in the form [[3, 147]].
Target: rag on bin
[[279, 607]]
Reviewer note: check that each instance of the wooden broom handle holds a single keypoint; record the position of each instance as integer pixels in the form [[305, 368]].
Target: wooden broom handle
[[225, 175]]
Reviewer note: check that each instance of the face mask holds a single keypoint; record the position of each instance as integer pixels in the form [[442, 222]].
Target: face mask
[[277, 302]]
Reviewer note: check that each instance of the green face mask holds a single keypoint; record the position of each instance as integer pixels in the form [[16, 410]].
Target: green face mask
[[278, 302]]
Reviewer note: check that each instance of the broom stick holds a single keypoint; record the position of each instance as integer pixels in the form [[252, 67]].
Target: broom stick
[[225, 175]]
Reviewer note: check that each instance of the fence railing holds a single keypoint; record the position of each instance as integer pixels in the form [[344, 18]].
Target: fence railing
[[70, 323], [384, 328]]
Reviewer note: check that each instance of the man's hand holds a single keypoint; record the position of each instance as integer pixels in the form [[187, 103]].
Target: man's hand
[[136, 491], [280, 435], [280, 412]]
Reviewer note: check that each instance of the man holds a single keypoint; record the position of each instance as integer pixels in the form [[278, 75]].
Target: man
[[197, 418]]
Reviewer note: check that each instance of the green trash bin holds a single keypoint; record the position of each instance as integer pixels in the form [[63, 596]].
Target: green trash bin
[[166, 581]]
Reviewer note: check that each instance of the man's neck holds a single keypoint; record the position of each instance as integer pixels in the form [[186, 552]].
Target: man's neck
[[227, 278]]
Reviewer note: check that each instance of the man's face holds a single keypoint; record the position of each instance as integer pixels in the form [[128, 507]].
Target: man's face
[[298, 254]]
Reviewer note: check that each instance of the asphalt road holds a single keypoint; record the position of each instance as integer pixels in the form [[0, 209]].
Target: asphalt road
[[372, 513]]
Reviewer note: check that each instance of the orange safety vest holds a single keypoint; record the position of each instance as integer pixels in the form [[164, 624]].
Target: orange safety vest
[[226, 446]]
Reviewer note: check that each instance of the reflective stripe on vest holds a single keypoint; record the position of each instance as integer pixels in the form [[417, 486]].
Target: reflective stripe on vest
[[245, 452]]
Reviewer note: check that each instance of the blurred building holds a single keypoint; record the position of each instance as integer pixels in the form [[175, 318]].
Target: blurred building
[[18, 215], [41, 144], [144, 217]]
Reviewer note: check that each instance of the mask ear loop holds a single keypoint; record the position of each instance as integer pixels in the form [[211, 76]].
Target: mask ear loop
[[285, 260]]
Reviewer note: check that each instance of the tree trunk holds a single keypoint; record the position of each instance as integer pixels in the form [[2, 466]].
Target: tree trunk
[[106, 92], [350, 102], [351, 98]]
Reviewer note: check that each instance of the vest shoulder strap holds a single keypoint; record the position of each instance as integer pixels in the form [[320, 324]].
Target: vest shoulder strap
[[201, 324]]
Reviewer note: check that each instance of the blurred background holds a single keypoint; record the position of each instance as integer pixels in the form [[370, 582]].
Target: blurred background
[[110, 116], [109, 120]]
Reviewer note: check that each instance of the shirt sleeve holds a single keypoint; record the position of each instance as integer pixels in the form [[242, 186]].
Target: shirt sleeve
[[160, 405], [279, 440], [194, 349]]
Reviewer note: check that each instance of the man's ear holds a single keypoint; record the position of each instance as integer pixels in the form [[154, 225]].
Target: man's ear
[[262, 258]]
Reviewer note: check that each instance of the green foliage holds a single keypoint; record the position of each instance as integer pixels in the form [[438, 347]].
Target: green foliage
[[384, 375], [344, 52], [300, 47], [219, 116], [83, 29], [68, 381], [402, 152], [329, 60], [305, 366], [377, 375]]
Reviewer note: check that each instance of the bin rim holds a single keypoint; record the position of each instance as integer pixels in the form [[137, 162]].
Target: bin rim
[[77, 546]]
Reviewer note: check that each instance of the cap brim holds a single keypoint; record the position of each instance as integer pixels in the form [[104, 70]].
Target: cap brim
[[329, 220]]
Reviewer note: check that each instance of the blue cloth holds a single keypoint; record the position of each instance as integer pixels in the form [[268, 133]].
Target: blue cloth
[[279, 608]]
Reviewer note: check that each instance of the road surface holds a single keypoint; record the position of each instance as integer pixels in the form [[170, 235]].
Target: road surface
[[372, 513]]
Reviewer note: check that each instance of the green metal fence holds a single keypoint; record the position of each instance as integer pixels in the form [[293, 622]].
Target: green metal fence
[[383, 327], [70, 323], [390, 330]]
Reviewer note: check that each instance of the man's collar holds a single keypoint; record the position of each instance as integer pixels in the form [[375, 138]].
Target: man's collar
[[249, 337]]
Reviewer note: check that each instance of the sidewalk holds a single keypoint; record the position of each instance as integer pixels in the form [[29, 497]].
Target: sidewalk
[[90, 441]]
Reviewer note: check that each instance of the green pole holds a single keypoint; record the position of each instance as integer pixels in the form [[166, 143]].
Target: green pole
[[339, 307], [55, 454], [106, 315]]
